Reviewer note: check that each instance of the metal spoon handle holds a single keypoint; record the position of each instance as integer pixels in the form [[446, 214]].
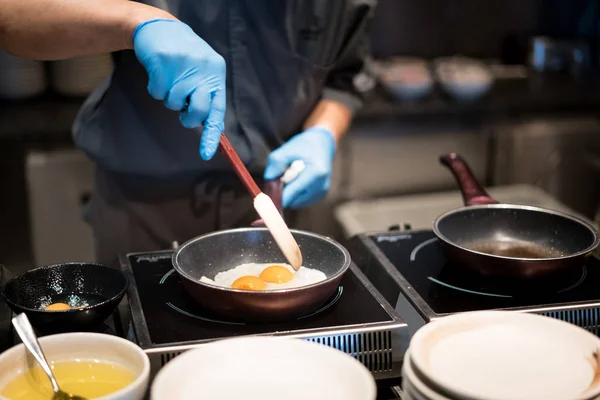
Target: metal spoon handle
[[29, 339]]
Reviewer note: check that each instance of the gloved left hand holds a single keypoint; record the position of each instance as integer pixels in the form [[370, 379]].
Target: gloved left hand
[[316, 148], [186, 74]]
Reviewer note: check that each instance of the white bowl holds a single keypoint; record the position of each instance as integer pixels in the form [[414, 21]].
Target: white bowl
[[408, 91], [466, 91], [503, 355], [68, 346], [263, 368], [463, 78]]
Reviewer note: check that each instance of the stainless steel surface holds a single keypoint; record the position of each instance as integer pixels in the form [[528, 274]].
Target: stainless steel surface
[[555, 154], [374, 349], [215, 252], [29, 339], [58, 181], [360, 216], [384, 158]]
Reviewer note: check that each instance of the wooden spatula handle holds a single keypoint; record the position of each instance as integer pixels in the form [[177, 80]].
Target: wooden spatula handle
[[238, 166]]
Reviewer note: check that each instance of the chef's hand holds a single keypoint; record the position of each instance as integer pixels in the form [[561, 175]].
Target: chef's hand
[[183, 68], [316, 147]]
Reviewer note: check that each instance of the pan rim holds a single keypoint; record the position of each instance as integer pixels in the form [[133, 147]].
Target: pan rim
[[339, 273], [118, 296], [581, 222]]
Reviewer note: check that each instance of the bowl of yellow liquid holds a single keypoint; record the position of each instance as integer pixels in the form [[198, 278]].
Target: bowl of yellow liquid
[[92, 365]]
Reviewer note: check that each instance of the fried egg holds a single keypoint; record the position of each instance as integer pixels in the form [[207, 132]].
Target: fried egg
[[267, 276]]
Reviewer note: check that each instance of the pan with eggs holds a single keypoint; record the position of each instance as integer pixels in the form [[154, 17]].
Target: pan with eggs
[[238, 273], [265, 276]]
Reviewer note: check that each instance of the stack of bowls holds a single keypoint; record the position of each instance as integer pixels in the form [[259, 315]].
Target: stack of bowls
[[20, 78], [496, 355], [81, 75]]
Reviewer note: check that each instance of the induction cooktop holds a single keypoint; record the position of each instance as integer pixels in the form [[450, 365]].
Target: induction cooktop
[[166, 321], [410, 270]]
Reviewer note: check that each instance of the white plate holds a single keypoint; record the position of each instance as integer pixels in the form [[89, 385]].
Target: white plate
[[500, 355], [264, 368], [412, 383]]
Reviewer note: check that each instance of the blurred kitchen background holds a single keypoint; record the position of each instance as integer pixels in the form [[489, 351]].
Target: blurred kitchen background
[[512, 85]]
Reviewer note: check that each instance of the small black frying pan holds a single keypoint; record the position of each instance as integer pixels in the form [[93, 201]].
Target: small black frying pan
[[509, 241], [96, 288]]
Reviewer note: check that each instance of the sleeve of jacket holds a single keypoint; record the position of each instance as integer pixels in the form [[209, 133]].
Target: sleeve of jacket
[[339, 85]]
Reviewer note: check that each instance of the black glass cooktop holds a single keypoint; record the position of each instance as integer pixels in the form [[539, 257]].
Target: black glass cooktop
[[163, 313], [447, 288]]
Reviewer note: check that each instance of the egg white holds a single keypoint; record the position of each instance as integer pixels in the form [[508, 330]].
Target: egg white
[[303, 277]]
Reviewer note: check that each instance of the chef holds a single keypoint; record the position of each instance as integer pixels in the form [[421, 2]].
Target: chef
[[275, 76]]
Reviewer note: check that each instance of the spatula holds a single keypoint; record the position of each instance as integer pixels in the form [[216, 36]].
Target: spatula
[[264, 207]]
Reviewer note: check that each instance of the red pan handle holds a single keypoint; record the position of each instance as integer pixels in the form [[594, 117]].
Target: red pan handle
[[238, 166], [473, 193]]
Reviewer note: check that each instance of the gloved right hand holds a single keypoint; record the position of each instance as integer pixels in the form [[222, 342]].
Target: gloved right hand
[[186, 74]]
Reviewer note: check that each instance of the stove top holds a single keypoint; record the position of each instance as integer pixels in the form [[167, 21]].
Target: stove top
[[410, 266], [166, 320]]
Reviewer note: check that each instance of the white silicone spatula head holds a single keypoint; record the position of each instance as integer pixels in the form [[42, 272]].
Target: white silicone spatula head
[[274, 222]]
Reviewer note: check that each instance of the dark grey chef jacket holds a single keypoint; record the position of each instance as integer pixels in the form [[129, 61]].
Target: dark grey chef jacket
[[152, 187], [282, 57]]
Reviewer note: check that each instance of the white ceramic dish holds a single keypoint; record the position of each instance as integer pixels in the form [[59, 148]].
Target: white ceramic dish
[[463, 78], [496, 355], [404, 78], [464, 91], [414, 386], [408, 91], [68, 346], [263, 368]]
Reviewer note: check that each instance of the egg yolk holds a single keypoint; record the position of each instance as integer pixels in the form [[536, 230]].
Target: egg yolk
[[276, 274], [248, 283], [58, 307]]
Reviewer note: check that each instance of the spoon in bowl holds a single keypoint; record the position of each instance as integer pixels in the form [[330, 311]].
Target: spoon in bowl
[[29, 339]]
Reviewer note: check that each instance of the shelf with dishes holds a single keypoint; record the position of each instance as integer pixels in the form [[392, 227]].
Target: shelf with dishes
[[23, 79]]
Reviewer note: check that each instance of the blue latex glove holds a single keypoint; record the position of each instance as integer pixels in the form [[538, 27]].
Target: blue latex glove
[[316, 147], [183, 68]]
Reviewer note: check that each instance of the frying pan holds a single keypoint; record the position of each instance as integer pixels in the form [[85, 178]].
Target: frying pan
[[99, 286], [509, 241], [219, 251]]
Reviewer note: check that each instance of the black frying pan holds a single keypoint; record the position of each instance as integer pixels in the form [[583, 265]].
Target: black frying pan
[[509, 241], [97, 288], [219, 251]]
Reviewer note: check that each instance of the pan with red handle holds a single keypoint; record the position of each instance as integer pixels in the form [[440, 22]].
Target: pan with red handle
[[509, 241]]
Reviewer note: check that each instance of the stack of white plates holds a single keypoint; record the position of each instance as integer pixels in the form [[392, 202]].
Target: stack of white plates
[[495, 355], [80, 76], [20, 78]]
